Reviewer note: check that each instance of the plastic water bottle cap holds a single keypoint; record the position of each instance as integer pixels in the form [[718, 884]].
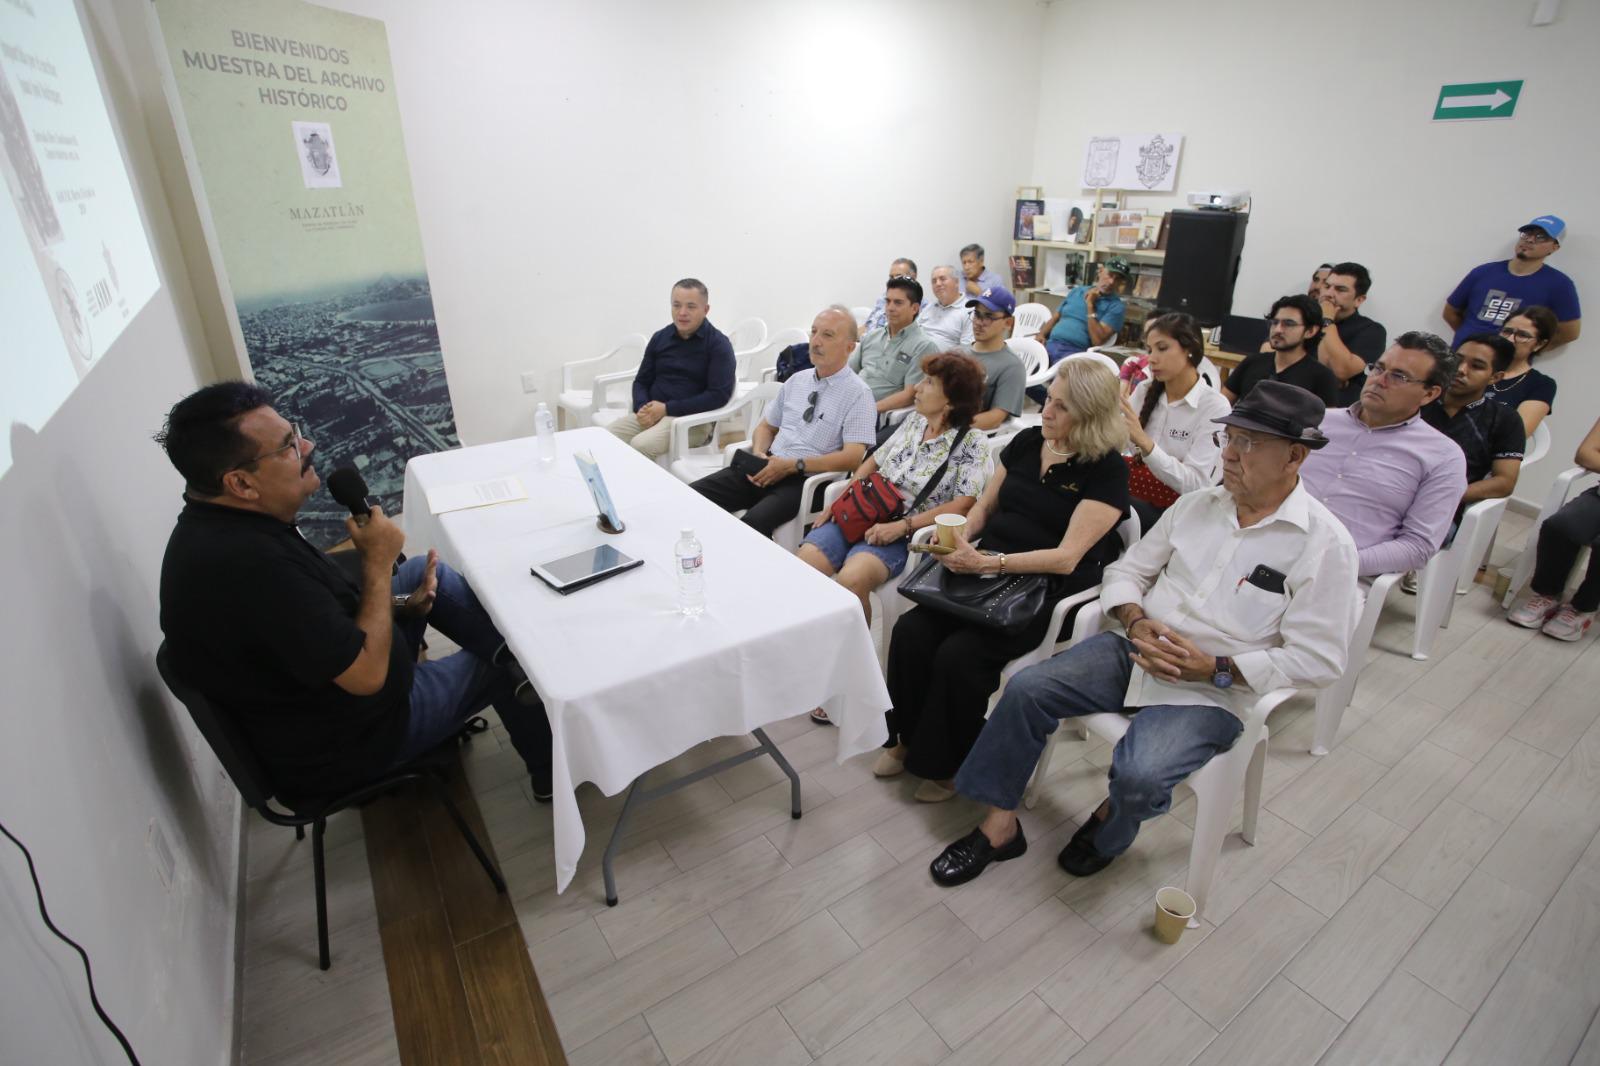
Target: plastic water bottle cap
[[687, 534]]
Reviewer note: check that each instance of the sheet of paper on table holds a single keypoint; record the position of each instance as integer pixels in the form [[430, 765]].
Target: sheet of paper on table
[[442, 498]]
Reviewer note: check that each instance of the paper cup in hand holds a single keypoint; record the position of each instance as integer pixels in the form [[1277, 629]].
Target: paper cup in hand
[[1174, 908], [948, 526]]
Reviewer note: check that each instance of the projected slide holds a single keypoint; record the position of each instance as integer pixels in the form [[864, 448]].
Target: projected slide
[[76, 263]]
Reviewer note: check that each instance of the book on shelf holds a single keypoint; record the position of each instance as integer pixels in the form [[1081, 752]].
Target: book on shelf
[[1042, 227], [1021, 272], [1027, 211], [1147, 285]]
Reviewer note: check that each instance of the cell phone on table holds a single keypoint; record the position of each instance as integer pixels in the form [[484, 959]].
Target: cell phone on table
[[932, 547]]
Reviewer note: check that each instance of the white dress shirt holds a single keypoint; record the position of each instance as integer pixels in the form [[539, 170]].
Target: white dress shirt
[[1186, 454], [948, 324], [1198, 583]]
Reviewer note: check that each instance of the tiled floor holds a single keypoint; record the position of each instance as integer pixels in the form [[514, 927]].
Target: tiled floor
[[1429, 892]]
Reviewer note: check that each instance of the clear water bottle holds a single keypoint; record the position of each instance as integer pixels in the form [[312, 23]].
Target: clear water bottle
[[690, 561], [544, 425]]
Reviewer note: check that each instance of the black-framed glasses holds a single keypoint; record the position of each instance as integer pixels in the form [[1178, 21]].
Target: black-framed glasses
[[1518, 334], [1392, 377], [1536, 237], [989, 316], [293, 442], [811, 411]]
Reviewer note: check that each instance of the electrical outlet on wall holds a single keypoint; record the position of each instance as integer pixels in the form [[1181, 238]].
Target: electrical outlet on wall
[[530, 383]]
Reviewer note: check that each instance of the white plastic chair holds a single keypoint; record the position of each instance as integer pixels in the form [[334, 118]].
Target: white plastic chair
[[1567, 485], [1035, 360], [1450, 571], [747, 336], [1214, 784], [1332, 700], [692, 462], [577, 400], [1029, 319]]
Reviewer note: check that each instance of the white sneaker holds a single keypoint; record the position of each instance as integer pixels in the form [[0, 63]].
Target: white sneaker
[[1568, 623], [1535, 612]]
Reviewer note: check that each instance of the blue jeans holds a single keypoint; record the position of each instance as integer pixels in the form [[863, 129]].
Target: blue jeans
[[1163, 745], [446, 692], [828, 538]]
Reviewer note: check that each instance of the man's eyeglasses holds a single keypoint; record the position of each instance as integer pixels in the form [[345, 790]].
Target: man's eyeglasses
[[811, 411], [1240, 445], [989, 316], [292, 442], [1536, 238], [1518, 334], [1391, 377]]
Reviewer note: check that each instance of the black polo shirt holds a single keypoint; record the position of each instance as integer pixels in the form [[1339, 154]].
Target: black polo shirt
[[1483, 430], [262, 622], [1032, 514], [1365, 338], [1305, 372]]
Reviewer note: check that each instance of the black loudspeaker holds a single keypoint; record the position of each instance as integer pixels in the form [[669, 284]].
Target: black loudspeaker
[[1203, 252]]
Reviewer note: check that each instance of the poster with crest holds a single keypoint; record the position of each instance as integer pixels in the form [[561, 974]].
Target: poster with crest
[[1135, 162]]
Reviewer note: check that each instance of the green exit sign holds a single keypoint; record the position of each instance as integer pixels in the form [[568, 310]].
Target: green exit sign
[[1478, 99]]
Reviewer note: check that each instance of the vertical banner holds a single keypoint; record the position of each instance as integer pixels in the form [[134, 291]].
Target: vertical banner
[[292, 135]]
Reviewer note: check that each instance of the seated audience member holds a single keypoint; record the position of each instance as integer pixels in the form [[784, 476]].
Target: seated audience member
[[946, 319], [1089, 315], [1531, 393], [889, 360], [822, 419], [975, 277], [1170, 416], [1489, 434], [1563, 535], [1293, 326], [1198, 651], [1318, 276], [1005, 379], [317, 667], [687, 368], [947, 397], [1393, 480], [1052, 507], [877, 318], [1349, 342], [1493, 292]]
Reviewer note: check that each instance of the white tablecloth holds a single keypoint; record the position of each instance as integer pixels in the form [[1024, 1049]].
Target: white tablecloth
[[627, 681]]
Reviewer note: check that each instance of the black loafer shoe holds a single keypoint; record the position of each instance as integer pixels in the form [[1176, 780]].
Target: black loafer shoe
[[1079, 858], [969, 856], [541, 787]]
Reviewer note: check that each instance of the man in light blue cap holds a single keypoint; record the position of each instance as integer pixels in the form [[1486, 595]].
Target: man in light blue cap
[[1492, 293]]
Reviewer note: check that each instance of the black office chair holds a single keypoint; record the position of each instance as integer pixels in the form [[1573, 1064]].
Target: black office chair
[[250, 778]]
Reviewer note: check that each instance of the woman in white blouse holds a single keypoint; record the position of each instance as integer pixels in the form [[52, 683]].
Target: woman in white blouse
[[1169, 417]]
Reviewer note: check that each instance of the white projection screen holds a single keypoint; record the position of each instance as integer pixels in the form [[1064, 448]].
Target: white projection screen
[[77, 264]]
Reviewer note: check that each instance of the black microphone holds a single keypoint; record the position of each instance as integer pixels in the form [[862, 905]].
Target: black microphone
[[347, 487]]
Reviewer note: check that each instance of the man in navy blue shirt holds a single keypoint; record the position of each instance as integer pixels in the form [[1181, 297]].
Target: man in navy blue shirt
[[687, 368], [1490, 294]]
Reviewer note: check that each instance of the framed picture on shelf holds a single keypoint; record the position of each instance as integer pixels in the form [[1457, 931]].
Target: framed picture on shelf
[[1021, 273], [1027, 210]]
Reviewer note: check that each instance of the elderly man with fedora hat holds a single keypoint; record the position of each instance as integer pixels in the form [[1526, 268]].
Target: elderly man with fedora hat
[[1257, 593]]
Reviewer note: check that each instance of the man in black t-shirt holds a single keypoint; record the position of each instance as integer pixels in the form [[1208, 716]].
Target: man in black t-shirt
[[1294, 324], [1488, 433], [317, 667], [1355, 341]]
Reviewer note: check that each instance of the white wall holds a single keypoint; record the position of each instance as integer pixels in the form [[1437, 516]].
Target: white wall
[[1324, 114], [572, 160], [92, 749]]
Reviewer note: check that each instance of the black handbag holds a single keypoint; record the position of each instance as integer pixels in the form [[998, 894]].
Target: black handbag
[[1007, 603]]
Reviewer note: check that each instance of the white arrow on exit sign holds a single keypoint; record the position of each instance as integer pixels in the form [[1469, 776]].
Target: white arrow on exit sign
[[1492, 101]]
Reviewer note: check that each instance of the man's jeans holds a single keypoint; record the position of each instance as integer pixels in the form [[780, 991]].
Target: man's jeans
[[1163, 744], [446, 692]]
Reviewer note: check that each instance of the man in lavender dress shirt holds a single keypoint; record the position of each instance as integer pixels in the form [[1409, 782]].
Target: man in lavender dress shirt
[[1392, 479]]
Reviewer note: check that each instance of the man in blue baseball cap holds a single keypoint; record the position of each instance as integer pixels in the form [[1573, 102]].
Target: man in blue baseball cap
[[1492, 293]]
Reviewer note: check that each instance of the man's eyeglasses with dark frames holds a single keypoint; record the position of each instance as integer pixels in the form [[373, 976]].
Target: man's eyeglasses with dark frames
[[292, 442]]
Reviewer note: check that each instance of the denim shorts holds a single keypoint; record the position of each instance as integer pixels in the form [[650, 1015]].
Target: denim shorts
[[830, 542]]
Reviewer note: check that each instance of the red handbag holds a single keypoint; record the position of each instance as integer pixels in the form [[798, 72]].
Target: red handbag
[[1144, 485], [873, 500], [865, 503]]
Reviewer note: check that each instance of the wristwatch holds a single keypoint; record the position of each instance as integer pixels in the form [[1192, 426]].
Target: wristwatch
[[1223, 676], [800, 467]]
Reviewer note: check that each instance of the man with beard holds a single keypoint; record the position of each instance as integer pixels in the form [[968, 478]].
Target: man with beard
[[1294, 324], [1490, 294]]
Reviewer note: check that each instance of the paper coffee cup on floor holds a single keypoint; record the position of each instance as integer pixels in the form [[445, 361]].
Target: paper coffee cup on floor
[[948, 525], [1174, 908]]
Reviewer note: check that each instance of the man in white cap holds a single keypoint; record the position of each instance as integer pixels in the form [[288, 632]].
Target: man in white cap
[[1490, 294]]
